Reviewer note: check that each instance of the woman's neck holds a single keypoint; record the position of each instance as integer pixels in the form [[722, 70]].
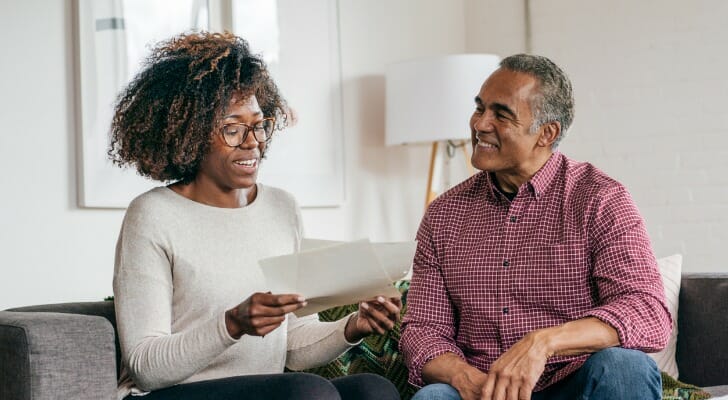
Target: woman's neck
[[202, 192]]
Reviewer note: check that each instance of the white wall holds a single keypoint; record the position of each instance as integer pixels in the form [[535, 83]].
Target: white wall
[[651, 95], [650, 92], [49, 250], [52, 251]]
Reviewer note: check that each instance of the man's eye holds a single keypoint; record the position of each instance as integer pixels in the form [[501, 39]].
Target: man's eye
[[478, 110], [501, 116]]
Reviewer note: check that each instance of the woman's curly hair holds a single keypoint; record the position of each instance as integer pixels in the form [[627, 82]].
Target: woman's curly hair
[[165, 118]]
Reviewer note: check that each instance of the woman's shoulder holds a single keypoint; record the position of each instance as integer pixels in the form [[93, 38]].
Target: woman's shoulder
[[152, 200], [277, 197], [158, 206]]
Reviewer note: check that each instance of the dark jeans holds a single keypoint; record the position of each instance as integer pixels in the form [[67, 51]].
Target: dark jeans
[[293, 385], [613, 373]]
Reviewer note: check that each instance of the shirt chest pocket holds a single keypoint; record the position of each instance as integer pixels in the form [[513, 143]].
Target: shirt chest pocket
[[553, 279]]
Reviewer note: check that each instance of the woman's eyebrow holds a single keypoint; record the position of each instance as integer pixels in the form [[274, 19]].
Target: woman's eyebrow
[[238, 116]]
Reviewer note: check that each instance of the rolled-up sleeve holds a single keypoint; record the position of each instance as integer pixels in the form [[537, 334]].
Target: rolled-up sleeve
[[630, 291], [428, 328]]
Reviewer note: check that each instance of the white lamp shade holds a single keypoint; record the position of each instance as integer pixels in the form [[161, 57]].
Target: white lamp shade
[[432, 99]]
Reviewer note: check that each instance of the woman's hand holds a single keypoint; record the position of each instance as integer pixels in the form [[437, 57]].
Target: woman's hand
[[374, 316], [261, 313]]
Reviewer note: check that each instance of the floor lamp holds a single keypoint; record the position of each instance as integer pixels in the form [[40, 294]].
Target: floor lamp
[[430, 100]]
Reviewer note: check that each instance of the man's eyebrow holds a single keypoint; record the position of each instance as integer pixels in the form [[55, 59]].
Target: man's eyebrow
[[478, 101], [503, 108]]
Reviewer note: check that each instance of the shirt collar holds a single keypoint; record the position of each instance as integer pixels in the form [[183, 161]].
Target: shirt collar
[[537, 185], [543, 178]]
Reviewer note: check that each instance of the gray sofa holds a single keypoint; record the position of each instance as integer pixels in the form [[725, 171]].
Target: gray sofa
[[70, 351]]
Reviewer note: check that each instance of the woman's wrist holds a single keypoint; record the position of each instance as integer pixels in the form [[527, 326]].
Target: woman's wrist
[[232, 325], [351, 332]]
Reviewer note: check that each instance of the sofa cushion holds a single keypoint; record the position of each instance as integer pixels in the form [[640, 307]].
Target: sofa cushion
[[670, 270], [702, 351]]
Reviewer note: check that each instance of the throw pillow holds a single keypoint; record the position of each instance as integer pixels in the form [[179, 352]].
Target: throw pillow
[[671, 271]]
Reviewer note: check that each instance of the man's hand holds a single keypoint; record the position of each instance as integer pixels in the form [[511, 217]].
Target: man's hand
[[469, 383], [515, 373], [374, 316], [261, 313], [451, 369]]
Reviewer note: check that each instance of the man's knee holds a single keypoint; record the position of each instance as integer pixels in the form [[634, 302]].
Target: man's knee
[[617, 359], [623, 372], [437, 391]]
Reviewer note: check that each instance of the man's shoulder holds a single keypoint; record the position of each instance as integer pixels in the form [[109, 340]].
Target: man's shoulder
[[460, 195], [585, 177]]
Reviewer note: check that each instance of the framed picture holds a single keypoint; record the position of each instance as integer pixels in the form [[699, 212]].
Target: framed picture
[[298, 40]]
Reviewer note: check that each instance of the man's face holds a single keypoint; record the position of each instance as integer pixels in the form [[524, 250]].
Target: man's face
[[500, 124]]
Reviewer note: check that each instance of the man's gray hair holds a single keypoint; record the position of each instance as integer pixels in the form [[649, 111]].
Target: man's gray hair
[[554, 100]]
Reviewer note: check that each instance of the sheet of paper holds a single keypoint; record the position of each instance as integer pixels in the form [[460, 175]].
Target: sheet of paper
[[329, 273]]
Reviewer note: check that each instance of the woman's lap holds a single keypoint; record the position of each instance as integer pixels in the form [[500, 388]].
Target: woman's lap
[[294, 385]]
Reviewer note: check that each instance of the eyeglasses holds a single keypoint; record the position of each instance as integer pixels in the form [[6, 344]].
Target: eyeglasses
[[235, 134]]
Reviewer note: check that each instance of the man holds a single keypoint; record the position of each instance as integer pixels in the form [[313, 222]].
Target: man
[[534, 278]]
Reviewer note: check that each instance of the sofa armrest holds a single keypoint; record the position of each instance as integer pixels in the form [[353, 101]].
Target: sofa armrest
[[46, 356]]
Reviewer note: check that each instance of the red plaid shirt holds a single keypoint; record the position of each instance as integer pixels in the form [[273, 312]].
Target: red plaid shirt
[[487, 270]]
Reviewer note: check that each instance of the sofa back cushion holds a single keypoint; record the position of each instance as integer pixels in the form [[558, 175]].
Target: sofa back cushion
[[702, 346]]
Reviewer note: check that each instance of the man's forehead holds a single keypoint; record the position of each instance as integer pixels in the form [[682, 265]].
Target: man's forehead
[[504, 84]]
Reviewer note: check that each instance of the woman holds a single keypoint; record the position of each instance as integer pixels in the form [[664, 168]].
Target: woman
[[193, 317]]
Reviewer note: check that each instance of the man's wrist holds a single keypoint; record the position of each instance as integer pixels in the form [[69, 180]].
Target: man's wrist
[[544, 340]]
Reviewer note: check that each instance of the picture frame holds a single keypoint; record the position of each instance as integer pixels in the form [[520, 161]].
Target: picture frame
[[114, 36]]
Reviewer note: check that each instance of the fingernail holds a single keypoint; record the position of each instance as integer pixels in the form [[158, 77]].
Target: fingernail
[[365, 306], [304, 304], [380, 299], [301, 299]]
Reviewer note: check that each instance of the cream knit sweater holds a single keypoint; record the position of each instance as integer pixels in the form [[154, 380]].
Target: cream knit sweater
[[179, 265]]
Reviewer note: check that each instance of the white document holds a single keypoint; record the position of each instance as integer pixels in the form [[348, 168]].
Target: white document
[[329, 273]]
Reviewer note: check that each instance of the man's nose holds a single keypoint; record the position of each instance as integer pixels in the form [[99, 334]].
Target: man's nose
[[483, 122]]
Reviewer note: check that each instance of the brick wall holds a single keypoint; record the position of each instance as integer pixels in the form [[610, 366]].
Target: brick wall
[[652, 107]]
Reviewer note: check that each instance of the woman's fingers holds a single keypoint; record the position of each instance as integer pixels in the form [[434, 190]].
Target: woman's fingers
[[380, 321]]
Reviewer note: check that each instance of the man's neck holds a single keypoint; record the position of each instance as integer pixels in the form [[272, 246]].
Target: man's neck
[[511, 182]]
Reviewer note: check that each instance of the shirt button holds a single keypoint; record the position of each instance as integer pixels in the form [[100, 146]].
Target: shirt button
[[505, 310], [506, 263], [514, 218]]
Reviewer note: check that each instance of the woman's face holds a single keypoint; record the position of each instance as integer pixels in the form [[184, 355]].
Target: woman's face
[[231, 168]]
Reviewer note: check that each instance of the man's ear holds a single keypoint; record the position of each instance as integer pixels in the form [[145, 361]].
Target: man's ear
[[550, 131]]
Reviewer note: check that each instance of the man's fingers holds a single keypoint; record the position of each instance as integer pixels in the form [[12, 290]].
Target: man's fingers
[[524, 394], [487, 393]]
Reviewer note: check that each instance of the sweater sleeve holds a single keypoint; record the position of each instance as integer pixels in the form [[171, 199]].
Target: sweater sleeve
[[312, 343], [627, 277], [428, 328], [154, 357]]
